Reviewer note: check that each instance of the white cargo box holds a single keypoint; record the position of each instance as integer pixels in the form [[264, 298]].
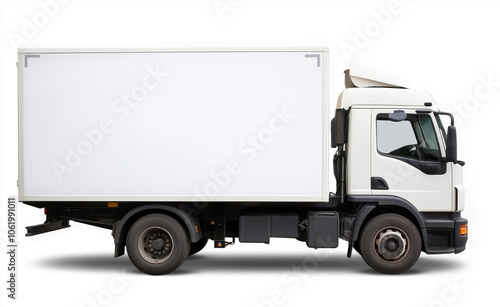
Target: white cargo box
[[174, 125]]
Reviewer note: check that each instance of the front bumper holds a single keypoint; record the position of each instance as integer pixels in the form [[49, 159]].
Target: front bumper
[[442, 233]]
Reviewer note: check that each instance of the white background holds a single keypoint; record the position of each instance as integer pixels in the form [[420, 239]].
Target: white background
[[447, 48]]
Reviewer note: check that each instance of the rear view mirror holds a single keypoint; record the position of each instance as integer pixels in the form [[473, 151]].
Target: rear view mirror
[[451, 146], [397, 116]]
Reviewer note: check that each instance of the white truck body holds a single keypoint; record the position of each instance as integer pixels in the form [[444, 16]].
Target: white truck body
[[174, 125]]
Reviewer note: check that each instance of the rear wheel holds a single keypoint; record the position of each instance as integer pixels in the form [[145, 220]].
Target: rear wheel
[[157, 244], [390, 244]]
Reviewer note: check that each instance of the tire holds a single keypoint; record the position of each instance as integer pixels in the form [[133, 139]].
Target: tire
[[197, 246], [390, 244], [157, 244]]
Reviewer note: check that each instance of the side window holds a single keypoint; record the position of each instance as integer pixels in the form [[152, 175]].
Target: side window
[[396, 138], [413, 138]]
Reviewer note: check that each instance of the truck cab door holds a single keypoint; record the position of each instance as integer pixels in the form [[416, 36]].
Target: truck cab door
[[407, 159]]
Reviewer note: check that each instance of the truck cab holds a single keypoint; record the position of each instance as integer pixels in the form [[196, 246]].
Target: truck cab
[[396, 159]]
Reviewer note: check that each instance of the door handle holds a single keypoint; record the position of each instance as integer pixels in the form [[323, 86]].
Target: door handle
[[379, 183]]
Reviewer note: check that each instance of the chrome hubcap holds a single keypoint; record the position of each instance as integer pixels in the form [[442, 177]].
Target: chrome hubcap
[[391, 244], [155, 245]]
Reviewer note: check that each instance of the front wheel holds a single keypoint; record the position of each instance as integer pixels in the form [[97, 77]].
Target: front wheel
[[157, 244], [390, 244]]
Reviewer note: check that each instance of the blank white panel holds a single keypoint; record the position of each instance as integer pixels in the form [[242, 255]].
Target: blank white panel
[[173, 136]]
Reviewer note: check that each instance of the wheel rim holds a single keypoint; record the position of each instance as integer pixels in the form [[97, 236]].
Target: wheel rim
[[155, 245], [391, 244]]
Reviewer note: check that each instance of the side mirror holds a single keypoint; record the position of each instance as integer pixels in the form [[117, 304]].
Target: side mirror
[[397, 116], [451, 144]]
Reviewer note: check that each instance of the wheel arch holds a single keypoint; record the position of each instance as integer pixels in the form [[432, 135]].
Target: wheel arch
[[372, 206], [188, 221]]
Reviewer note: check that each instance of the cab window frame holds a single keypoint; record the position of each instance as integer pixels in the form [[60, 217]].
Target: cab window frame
[[430, 161]]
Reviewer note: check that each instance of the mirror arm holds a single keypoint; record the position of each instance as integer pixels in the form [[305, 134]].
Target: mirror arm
[[452, 119]]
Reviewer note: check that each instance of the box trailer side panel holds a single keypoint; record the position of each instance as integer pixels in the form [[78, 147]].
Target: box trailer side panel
[[246, 125]]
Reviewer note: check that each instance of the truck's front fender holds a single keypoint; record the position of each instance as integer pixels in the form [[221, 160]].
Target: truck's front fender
[[372, 202]]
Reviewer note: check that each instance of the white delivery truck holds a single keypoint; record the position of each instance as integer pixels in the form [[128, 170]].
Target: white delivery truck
[[170, 148]]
